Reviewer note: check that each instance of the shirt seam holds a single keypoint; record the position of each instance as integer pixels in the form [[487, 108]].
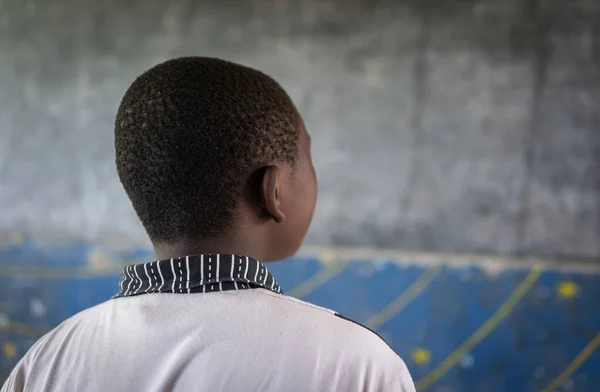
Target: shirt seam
[[296, 301]]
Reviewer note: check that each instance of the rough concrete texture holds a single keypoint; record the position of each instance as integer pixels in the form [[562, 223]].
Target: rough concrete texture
[[444, 125]]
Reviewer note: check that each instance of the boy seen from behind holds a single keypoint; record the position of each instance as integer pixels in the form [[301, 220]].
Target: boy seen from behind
[[216, 161]]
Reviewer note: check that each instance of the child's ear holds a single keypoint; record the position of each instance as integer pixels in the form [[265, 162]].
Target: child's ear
[[270, 193]]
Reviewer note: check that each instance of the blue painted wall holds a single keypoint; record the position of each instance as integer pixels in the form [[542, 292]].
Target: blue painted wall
[[480, 326]]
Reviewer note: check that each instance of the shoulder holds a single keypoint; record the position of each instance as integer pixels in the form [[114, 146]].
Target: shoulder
[[358, 349], [54, 337], [311, 313], [18, 378]]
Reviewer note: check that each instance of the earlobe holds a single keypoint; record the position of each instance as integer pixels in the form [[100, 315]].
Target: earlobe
[[271, 194]]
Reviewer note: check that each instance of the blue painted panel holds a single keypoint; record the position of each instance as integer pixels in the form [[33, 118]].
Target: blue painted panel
[[457, 328], [291, 273], [363, 288]]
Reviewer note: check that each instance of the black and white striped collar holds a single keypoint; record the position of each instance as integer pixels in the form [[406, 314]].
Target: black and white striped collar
[[196, 274]]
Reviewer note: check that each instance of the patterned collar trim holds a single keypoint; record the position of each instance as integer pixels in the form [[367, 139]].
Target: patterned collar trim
[[196, 274]]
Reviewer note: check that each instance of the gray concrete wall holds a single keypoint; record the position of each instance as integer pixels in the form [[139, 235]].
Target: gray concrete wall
[[444, 125]]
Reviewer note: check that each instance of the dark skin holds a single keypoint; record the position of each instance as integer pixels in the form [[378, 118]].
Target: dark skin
[[272, 216]]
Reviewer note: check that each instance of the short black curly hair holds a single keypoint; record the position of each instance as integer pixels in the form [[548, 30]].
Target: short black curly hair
[[189, 132]]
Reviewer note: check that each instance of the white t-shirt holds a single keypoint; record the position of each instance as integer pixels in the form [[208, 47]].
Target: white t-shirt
[[251, 339]]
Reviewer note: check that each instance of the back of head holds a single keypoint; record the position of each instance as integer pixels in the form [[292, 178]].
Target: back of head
[[188, 134]]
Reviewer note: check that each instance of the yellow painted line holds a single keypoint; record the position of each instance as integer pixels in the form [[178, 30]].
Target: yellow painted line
[[574, 365], [482, 332], [56, 272], [406, 297], [25, 329], [328, 272]]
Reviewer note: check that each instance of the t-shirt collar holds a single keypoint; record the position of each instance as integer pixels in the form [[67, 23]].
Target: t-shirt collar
[[196, 274]]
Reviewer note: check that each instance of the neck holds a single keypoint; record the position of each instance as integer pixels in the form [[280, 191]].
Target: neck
[[225, 245]]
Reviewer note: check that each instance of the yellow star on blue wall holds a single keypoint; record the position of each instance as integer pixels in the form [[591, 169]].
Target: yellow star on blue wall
[[567, 289], [9, 349], [420, 355]]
